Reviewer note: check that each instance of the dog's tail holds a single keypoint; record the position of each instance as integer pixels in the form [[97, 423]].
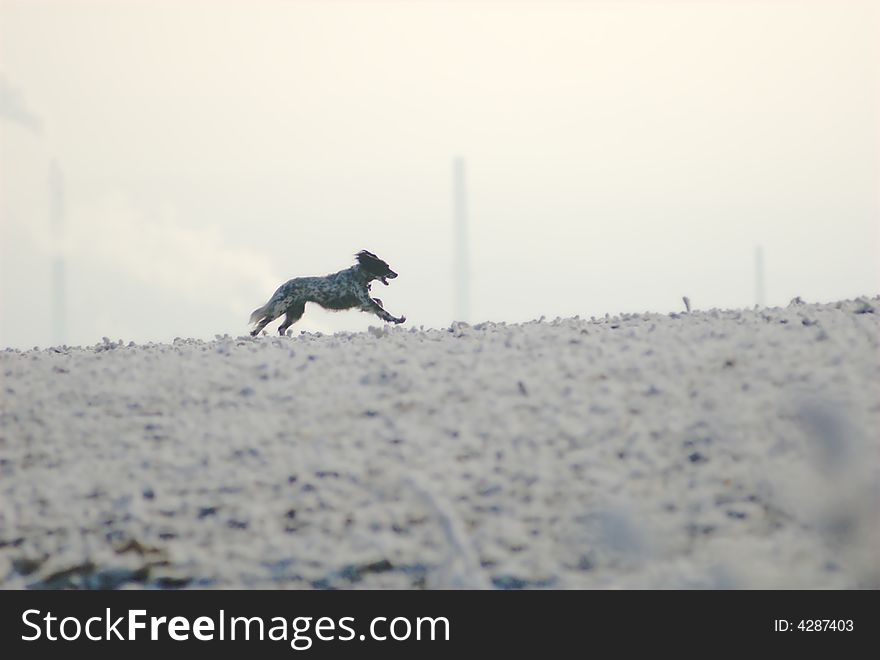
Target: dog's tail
[[260, 313]]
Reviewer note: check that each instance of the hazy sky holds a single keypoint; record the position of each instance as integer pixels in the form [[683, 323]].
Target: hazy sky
[[619, 155]]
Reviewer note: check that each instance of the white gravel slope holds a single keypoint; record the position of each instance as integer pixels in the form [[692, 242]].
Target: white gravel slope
[[719, 449]]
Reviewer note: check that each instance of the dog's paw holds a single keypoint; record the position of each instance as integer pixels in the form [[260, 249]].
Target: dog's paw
[[400, 320]]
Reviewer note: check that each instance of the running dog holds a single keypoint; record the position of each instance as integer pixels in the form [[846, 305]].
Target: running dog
[[347, 289]]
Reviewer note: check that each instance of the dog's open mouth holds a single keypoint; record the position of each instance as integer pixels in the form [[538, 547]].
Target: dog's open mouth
[[383, 281]]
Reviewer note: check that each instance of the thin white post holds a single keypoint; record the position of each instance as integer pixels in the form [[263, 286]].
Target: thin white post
[[461, 263]]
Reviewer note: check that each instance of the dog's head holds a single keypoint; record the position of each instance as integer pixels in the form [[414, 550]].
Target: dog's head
[[375, 267]]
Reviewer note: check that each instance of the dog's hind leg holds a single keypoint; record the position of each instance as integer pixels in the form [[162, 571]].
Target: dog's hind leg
[[262, 324], [294, 314]]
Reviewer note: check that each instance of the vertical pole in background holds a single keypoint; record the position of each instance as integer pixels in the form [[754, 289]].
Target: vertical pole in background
[[760, 295], [461, 263], [56, 225]]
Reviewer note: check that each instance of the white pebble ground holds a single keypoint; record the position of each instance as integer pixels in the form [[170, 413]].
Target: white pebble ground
[[711, 449]]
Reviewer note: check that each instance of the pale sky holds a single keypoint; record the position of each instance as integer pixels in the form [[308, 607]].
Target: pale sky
[[619, 155]]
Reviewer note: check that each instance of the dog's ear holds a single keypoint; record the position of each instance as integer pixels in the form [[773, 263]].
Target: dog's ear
[[372, 264], [366, 254]]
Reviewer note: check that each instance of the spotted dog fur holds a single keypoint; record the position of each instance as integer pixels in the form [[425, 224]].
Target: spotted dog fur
[[346, 289]]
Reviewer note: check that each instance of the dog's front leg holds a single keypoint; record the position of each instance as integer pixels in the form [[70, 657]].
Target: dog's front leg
[[372, 305]]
